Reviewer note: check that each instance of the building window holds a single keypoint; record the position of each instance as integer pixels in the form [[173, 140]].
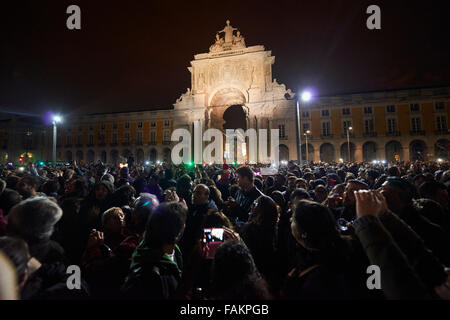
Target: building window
[[139, 137], [326, 128], [166, 123], [153, 136], [79, 140], [127, 125], [346, 111], [441, 123], [114, 125], [390, 109], [414, 107], [367, 110], [114, 138], [306, 127], [391, 125], [416, 124], [91, 127], [166, 135], [440, 105], [102, 138], [69, 140], [103, 126], [281, 130], [91, 139], [139, 125], [126, 138], [325, 113], [305, 114], [153, 124], [80, 128], [368, 125], [345, 125]]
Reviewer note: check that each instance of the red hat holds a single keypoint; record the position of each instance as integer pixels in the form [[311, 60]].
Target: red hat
[[225, 166]]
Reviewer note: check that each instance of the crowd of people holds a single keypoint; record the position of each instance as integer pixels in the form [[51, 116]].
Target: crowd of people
[[306, 232]]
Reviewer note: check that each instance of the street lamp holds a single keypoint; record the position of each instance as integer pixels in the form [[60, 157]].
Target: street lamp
[[306, 96], [56, 119], [306, 136], [348, 142]]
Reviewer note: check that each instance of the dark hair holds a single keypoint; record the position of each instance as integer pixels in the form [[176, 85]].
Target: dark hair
[[123, 196], [393, 171], [233, 190], [299, 193], [429, 189], [266, 213], [234, 274], [31, 180], [17, 251], [155, 177], [317, 221], [12, 181], [50, 187], [216, 196], [258, 184], [8, 199], [165, 225], [431, 210], [217, 220], [246, 172], [359, 183], [406, 191]]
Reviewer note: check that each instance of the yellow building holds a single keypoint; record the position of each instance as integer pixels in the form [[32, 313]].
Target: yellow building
[[114, 137], [386, 125]]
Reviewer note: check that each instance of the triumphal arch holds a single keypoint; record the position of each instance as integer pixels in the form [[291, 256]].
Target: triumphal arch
[[232, 87]]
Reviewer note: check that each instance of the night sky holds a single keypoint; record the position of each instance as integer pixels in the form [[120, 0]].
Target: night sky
[[133, 55]]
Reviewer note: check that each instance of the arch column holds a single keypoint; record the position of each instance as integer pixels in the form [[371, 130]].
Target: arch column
[[316, 154], [358, 153], [381, 152], [405, 153]]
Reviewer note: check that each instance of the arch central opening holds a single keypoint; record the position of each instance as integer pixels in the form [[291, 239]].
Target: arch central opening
[[234, 118]]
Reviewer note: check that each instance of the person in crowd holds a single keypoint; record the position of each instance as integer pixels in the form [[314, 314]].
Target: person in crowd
[[94, 205], [240, 207], [167, 181], [332, 272], [260, 236], [37, 280], [157, 263], [436, 191], [201, 206], [291, 247], [235, 275], [399, 195], [28, 186], [348, 211], [8, 199], [153, 187], [33, 220]]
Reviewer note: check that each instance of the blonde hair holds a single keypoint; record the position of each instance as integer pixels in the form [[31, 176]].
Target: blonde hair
[[111, 212]]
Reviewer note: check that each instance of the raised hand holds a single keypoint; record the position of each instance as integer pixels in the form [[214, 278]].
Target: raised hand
[[370, 203]]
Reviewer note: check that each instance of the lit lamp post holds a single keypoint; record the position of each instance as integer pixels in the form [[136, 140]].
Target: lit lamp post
[[306, 97], [348, 142], [306, 136], [55, 120]]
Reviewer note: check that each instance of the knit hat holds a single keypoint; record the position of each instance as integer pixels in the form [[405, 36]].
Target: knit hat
[[107, 177]]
